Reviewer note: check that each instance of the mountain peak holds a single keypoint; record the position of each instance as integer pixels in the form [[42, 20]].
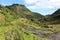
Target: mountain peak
[[57, 12], [59, 9], [17, 5]]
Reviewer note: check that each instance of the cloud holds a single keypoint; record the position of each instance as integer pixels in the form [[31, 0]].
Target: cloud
[[41, 4], [54, 0], [31, 7], [30, 1]]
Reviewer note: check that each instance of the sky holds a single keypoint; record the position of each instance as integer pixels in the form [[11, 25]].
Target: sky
[[43, 7]]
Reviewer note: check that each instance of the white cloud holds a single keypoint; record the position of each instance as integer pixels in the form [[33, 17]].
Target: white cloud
[[54, 0], [30, 1], [43, 3], [31, 7]]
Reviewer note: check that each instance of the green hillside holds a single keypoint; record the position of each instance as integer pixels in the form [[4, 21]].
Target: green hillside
[[19, 23], [55, 17], [14, 22]]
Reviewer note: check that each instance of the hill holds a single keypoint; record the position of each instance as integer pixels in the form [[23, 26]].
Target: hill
[[15, 21], [19, 23], [55, 17]]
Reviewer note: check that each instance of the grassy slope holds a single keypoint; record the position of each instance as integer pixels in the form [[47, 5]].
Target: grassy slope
[[16, 19], [14, 23], [55, 17]]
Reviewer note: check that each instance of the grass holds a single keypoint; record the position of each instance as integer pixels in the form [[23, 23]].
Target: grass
[[16, 19], [4, 31]]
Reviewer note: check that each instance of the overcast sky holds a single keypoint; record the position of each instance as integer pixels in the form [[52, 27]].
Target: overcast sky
[[41, 6]]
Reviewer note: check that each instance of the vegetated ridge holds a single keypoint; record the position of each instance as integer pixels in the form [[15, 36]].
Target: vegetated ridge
[[18, 23]]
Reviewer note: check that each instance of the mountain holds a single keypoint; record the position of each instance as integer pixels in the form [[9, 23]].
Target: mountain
[[15, 22], [19, 23], [16, 11], [55, 17]]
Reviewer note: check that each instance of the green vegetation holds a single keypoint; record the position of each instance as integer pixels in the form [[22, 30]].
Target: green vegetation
[[19, 23]]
